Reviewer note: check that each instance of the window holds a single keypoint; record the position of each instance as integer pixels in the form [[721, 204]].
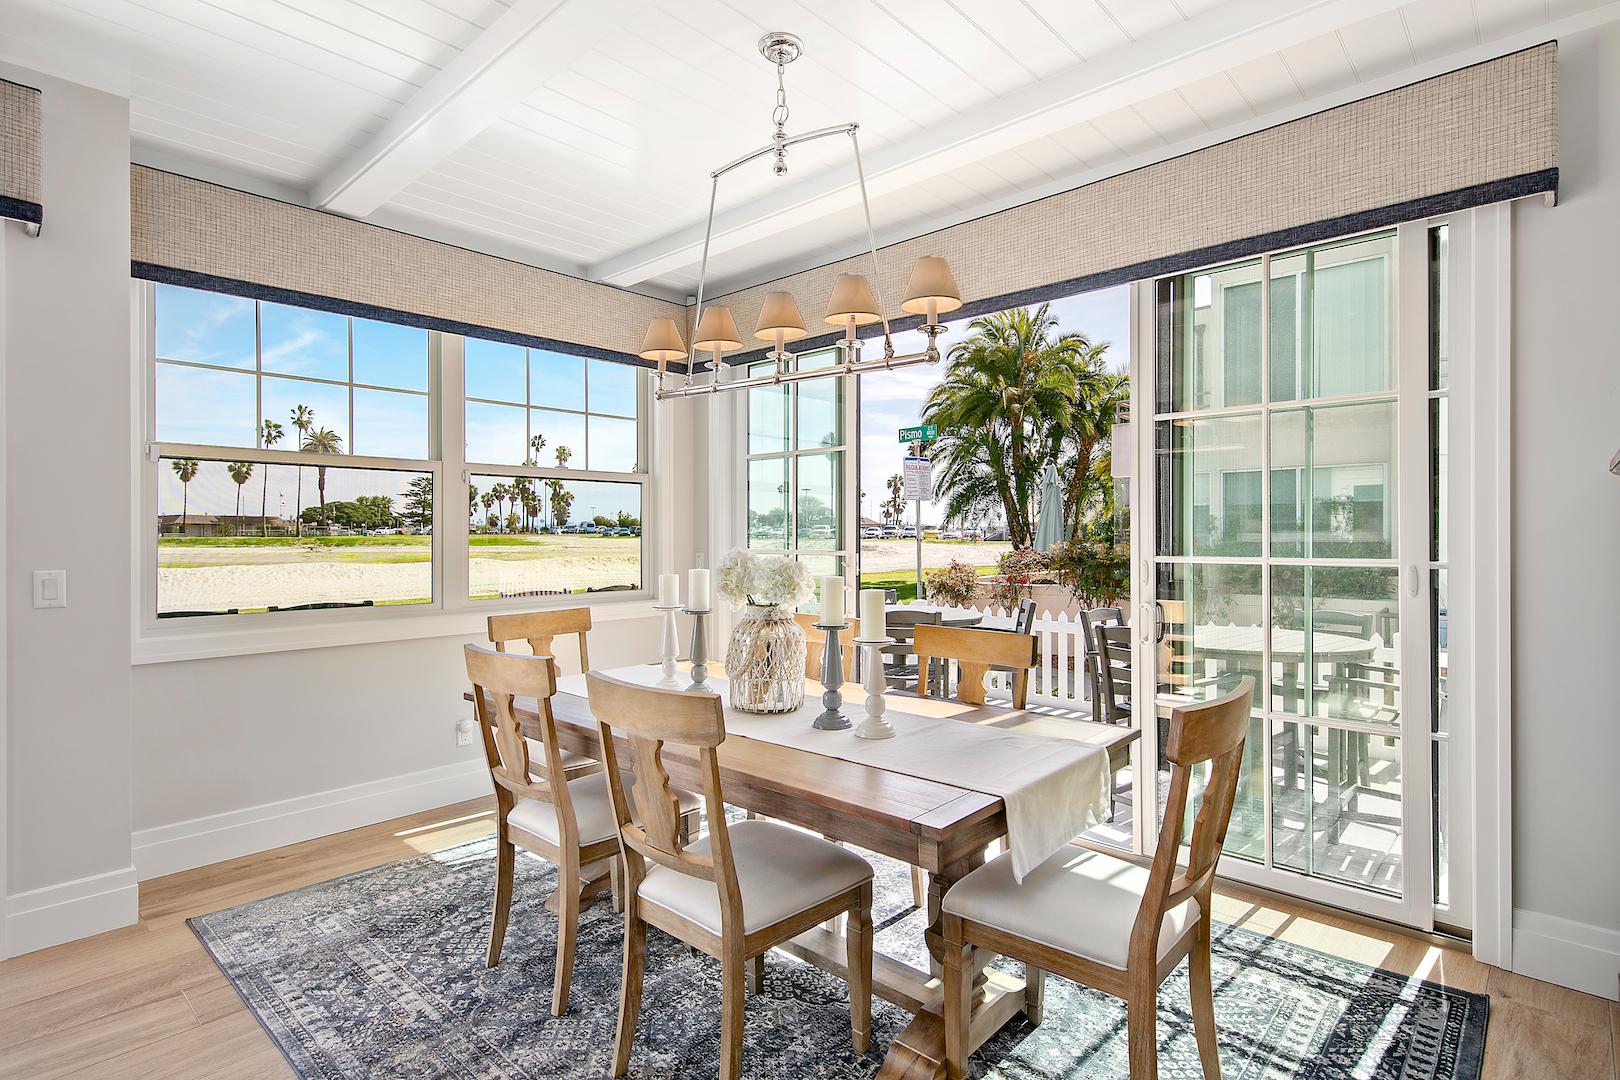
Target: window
[[294, 462]]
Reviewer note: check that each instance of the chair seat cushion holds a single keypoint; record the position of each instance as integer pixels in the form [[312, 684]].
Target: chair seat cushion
[[593, 810], [1079, 901], [780, 872]]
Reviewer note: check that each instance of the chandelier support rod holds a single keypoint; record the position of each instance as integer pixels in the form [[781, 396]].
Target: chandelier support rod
[[881, 363], [871, 240], [791, 140], [703, 273]]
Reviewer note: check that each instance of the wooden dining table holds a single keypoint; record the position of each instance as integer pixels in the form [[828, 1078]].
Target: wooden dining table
[[942, 828]]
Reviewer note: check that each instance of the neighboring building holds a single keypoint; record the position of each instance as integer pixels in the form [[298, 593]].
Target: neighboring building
[[222, 525]]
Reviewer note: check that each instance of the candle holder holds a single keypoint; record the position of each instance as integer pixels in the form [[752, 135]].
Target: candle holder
[[669, 646], [874, 682], [700, 648], [832, 678]]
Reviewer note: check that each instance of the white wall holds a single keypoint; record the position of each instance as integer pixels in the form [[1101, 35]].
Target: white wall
[[66, 431], [1566, 540]]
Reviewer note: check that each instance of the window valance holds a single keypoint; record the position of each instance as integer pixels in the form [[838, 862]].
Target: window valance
[[19, 153]]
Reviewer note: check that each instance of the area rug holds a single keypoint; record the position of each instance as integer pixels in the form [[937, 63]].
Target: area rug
[[381, 974]]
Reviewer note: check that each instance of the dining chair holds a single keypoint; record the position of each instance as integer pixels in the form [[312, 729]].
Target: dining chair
[[976, 652], [900, 624], [815, 643], [1138, 922], [540, 629], [738, 892], [1089, 622]]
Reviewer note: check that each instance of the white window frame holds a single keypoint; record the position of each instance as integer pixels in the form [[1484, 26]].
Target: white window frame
[[451, 612]]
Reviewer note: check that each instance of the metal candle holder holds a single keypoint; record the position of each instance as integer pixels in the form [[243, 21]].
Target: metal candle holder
[[832, 678], [669, 645], [700, 648], [875, 682]]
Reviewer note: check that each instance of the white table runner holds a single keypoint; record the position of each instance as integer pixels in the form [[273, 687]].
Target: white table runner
[[1053, 789]]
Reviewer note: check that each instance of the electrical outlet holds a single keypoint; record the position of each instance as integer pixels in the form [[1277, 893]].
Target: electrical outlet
[[464, 733]]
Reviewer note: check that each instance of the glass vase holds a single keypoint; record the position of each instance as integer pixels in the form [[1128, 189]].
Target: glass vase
[[765, 662]]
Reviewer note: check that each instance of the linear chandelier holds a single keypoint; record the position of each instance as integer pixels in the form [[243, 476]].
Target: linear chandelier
[[930, 292]]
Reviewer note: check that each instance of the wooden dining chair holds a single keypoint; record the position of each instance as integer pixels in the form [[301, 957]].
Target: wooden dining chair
[[540, 629], [815, 643], [738, 892], [1090, 621], [1100, 920], [976, 652]]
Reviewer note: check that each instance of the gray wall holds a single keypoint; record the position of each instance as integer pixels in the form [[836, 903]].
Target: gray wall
[[1566, 510]]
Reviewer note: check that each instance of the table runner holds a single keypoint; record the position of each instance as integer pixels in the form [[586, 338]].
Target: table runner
[[1053, 789]]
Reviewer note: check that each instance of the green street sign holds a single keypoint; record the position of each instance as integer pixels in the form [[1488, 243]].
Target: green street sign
[[920, 433]]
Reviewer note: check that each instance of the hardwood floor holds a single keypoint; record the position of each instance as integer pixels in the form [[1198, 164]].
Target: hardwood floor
[[146, 1001]]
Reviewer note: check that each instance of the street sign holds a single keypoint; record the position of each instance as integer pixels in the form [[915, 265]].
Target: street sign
[[919, 477], [920, 433]]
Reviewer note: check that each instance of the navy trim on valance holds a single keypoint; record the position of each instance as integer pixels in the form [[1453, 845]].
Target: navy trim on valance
[[192, 279], [1545, 180], [21, 210]]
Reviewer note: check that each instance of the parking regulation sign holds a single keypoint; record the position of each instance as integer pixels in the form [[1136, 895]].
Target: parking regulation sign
[[919, 478]]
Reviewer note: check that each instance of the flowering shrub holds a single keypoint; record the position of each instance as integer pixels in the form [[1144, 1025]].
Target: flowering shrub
[[1017, 571], [1095, 574], [747, 578], [953, 584]]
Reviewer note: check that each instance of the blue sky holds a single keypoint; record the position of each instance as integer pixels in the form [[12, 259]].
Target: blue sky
[[893, 399]]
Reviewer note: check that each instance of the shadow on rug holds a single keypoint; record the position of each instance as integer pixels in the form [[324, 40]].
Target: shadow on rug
[[381, 974]]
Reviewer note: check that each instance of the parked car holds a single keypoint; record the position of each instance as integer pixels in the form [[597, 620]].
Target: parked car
[[871, 532], [891, 532], [950, 534]]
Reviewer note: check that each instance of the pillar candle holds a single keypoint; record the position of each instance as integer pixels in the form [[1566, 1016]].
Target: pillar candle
[[874, 622], [697, 590], [669, 589], [832, 600]]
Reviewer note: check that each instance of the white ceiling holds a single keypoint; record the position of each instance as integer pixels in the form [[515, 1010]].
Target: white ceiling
[[579, 134]]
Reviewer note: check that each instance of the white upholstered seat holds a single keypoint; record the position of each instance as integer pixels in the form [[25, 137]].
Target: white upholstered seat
[[780, 872], [1079, 901], [593, 810]]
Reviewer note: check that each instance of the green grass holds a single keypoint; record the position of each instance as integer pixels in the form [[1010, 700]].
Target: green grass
[[294, 541], [904, 582]]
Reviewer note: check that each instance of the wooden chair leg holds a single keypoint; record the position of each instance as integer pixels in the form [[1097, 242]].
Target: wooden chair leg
[[616, 883], [858, 957], [691, 825], [958, 978], [756, 974], [635, 963], [505, 855], [1201, 988], [567, 932], [919, 888], [1142, 1020], [732, 993], [1034, 994]]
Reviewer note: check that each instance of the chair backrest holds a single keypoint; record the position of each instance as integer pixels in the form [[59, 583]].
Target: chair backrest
[[900, 623], [1114, 673], [497, 678], [975, 652], [1089, 621], [648, 719], [539, 627], [1213, 732], [1349, 623], [815, 644], [1025, 619]]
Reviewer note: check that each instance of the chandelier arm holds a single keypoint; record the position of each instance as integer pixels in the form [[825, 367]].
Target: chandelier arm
[[792, 140], [880, 363], [871, 239], [703, 274]]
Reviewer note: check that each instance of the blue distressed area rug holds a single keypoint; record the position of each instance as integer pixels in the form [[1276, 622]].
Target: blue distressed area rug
[[381, 975]]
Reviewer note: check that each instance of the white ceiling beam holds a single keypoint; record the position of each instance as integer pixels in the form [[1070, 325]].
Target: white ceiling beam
[[529, 43], [1179, 54]]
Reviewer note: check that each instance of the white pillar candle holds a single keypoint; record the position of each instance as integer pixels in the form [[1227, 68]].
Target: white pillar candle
[[669, 589], [832, 600], [697, 590], [874, 622]]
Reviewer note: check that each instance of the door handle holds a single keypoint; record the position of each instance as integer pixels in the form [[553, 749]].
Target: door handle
[[1412, 580]]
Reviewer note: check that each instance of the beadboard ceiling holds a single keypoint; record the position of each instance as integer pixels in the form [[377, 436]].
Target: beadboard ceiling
[[579, 134]]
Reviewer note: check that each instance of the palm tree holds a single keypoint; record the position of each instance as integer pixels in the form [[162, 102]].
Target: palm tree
[[895, 504], [563, 454], [240, 471], [322, 441], [489, 501], [303, 418], [269, 434], [472, 500], [561, 501], [1083, 450], [536, 444], [1010, 386], [186, 470]]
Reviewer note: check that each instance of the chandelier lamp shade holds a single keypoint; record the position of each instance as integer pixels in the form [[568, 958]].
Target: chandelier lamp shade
[[931, 291]]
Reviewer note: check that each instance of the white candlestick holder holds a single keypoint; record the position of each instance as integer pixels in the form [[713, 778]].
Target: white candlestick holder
[[874, 681], [832, 717], [700, 648], [669, 646]]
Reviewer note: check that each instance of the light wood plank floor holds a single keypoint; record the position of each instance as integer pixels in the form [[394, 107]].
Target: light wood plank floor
[[146, 1001]]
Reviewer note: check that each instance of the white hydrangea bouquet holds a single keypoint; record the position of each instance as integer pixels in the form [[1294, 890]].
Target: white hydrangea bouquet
[[763, 580], [765, 663]]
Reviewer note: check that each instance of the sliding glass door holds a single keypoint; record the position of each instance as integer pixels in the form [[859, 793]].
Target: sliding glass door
[[1289, 529]]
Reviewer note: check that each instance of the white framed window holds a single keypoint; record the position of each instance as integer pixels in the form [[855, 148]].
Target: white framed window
[[299, 468]]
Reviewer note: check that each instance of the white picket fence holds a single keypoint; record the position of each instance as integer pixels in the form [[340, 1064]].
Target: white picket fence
[[1059, 679]]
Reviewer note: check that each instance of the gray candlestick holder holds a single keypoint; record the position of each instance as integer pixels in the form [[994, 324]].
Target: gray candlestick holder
[[700, 648], [832, 679]]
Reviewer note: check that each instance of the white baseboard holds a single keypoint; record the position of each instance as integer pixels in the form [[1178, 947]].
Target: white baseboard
[[1573, 954], [74, 909], [168, 849]]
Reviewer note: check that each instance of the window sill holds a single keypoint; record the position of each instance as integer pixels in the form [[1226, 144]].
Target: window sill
[[290, 631]]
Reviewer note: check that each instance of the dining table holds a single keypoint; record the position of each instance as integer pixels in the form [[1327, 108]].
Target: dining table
[[908, 798]]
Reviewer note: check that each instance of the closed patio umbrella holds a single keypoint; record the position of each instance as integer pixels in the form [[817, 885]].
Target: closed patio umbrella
[[1051, 529]]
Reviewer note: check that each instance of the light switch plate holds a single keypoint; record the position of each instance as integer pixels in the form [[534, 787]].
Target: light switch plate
[[50, 588]]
